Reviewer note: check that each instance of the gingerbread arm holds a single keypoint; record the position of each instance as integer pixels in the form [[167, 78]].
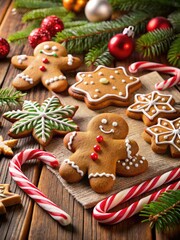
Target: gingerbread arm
[[126, 148], [69, 63], [22, 61], [72, 140]]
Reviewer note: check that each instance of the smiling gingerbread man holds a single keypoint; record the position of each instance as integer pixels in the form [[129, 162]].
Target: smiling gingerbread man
[[50, 58], [98, 152]]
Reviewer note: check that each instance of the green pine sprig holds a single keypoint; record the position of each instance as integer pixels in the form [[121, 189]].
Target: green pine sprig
[[33, 4], [155, 43], [99, 55], [174, 18], [163, 213], [9, 97], [174, 52]]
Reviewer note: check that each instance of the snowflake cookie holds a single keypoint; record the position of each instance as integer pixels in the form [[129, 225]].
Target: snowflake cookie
[[164, 135], [104, 87], [43, 121], [100, 153], [149, 107]]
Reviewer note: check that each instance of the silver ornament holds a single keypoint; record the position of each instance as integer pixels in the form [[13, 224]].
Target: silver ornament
[[98, 10]]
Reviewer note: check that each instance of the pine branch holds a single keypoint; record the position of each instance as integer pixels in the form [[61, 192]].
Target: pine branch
[[174, 18], [74, 24], [33, 4], [174, 52], [42, 13], [163, 213], [155, 43], [23, 35], [82, 38], [9, 97], [99, 55]]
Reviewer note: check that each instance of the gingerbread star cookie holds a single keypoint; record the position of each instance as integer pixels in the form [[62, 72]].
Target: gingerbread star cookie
[[7, 145], [149, 107], [7, 198], [50, 58], [105, 86], [43, 121], [163, 136]]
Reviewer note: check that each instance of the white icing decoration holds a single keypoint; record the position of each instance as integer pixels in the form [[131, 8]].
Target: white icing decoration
[[104, 81], [126, 160], [92, 82], [48, 53], [104, 131], [85, 83], [75, 166], [116, 71], [127, 167], [70, 59], [54, 79], [26, 78], [136, 165], [89, 75], [131, 78], [123, 164], [54, 48], [170, 131], [120, 93], [128, 148], [95, 95], [114, 124], [47, 47], [94, 175], [112, 77], [21, 58], [75, 88], [100, 74], [71, 140], [130, 163], [83, 75], [123, 80], [104, 121], [149, 101], [141, 162], [97, 90]]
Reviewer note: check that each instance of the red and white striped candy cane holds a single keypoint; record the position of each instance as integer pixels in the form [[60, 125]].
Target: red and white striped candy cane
[[29, 188], [100, 211], [144, 65]]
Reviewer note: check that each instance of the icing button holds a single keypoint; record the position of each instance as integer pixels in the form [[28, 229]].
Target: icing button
[[127, 167], [97, 148], [104, 81], [94, 156], [99, 139], [42, 68], [45, 60]]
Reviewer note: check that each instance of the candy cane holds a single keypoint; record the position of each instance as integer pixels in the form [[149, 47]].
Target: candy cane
[[100, 211], [29, 188], [143, 65]]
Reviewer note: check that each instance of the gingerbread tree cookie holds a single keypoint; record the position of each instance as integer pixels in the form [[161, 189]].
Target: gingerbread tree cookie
[[104, 87], [43, 121], [163, 136], [96, 152], [149, 107], [7, 145], [50, 58], [7, 198]]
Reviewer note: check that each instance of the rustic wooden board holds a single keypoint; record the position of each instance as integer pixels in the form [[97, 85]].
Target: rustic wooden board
[[158, 164]]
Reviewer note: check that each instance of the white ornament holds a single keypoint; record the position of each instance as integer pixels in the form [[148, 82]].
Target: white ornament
[[97, 11]]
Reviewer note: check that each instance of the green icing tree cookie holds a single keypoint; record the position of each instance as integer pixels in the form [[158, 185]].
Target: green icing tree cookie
[[43, 121]]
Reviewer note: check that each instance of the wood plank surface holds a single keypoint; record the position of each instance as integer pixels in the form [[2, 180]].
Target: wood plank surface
[[29, 221]]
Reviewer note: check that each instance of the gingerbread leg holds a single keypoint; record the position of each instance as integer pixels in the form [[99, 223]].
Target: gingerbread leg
[[101, 184], [73, 169], [54, 81], [27, 79]]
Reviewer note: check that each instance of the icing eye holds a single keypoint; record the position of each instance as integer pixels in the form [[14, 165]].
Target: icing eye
[[54, 48], [46, 47], [104, 121], [114, 124]]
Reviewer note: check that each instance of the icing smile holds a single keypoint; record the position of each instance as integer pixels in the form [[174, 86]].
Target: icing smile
[[48, 53], [106, 132]]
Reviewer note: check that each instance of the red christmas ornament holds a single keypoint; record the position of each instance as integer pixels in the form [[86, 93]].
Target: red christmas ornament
[[4, 48], [99, 138], [38, 36], [158, 23], [97, 148], [122, 45], [53, 24], [94, 156]]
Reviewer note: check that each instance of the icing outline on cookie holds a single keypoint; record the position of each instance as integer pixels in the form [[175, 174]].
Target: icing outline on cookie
[[71, 140], [148, 103], [170, 131], [107, 95], [94, 175], [75, 166]]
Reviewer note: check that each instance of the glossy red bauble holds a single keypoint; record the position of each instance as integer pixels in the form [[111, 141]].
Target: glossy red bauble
[[52, 24], [99, 139], [158, 23], [94, 156], [38, 36], [4, 48], [121, 46]]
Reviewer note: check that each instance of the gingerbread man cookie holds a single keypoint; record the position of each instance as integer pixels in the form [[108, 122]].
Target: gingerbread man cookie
[[149, 107], [50, 58], [7, 198], [96, 152], [163, 136], [104, 87], [43, 121]]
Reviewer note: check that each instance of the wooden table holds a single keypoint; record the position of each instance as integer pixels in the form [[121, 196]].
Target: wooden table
[[29, 221]]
